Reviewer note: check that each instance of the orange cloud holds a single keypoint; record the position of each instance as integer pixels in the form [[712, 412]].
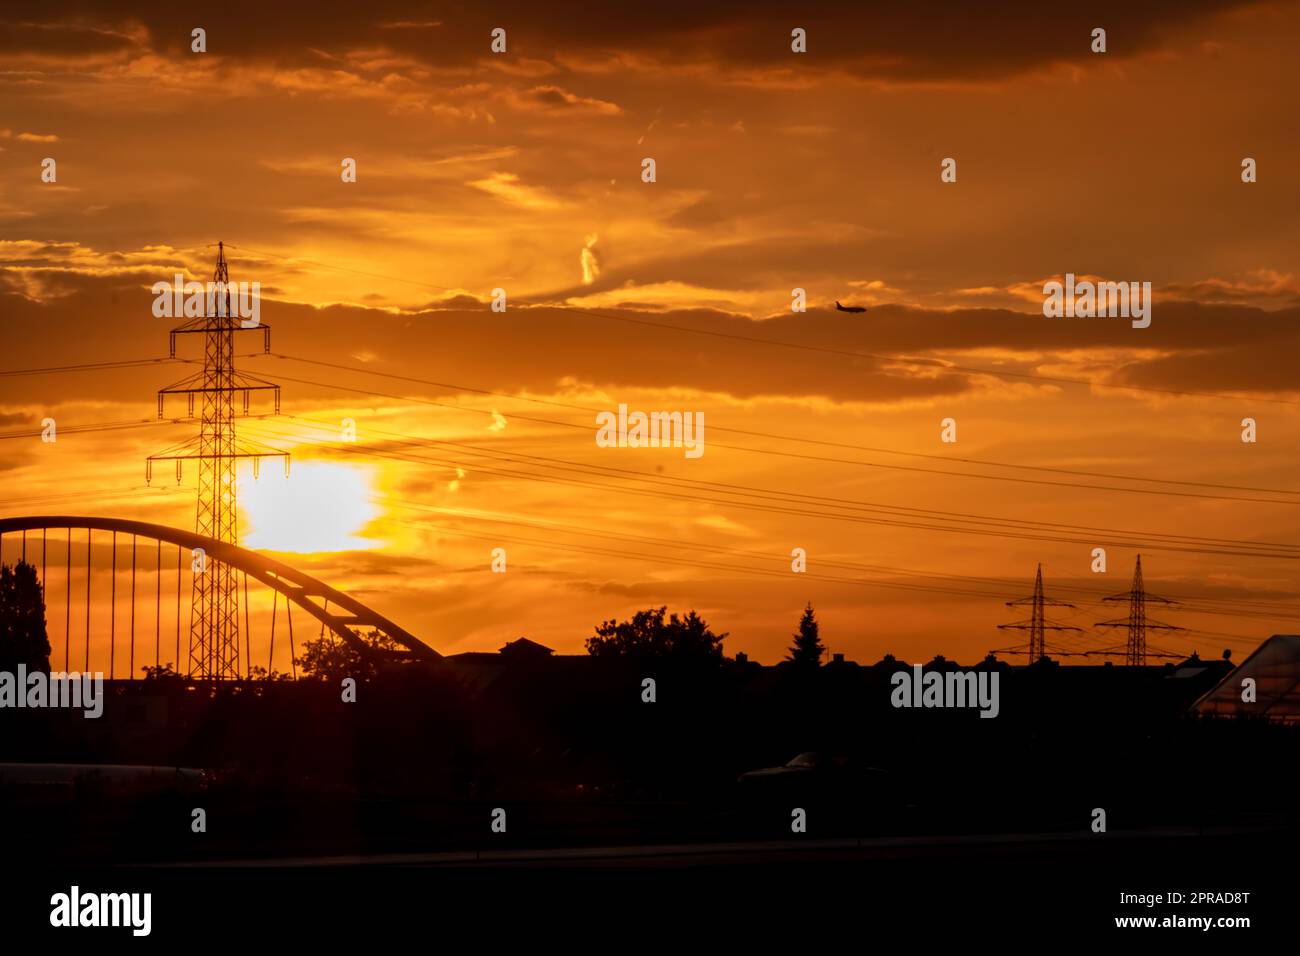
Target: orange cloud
[[509, 188]]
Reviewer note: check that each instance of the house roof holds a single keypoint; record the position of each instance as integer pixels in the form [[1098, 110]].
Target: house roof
[[1274, 667], [524, 645]]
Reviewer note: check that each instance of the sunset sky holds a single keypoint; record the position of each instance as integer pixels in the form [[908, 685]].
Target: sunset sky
[[774, 170]]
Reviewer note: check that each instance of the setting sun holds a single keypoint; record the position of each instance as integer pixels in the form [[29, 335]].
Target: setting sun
[[319, 507]]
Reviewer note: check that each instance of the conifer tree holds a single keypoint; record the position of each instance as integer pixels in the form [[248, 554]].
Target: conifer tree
[[807, 648]]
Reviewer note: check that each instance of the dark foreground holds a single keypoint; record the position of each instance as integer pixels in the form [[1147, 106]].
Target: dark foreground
[[624, 822], [816, 894]]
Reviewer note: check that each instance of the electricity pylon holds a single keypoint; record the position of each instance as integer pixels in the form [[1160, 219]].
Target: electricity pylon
[[214, 610], [1037, 625], [1135, 654]]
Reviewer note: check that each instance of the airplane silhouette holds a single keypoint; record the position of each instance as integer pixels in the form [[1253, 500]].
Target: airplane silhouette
[[848, 308]]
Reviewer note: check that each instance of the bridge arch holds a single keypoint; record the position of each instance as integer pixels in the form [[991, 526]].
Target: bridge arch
[[346, 617]]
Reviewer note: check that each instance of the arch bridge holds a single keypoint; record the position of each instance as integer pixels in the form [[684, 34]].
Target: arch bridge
[[92, 558]]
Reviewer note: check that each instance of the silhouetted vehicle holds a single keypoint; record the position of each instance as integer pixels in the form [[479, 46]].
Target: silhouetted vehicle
[[849, 308], [805, 763], [45, 781], [817, 775]]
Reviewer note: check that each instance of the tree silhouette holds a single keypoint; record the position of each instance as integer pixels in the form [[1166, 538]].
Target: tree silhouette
[[161, 672], [807, 649], [331, 658], [649, 635], [257, 672], [22, 619]]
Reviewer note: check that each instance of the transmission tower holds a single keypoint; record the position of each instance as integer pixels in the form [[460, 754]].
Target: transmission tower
[[1135, 654], [1037, 625], [214, 610]]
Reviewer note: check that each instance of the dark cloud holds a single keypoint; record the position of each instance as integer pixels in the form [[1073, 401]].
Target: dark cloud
[[50, 32], [949, 40], [536, 349], [1253, 368]]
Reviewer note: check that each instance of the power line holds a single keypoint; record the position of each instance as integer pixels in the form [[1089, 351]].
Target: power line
[[87, 428], [92, 427], [1007, 527], [744, 489], [781, 495], [1000, 583], [87, 367], [97, 494], [796, 438], [670, 481], [768, 451], [454, 514]]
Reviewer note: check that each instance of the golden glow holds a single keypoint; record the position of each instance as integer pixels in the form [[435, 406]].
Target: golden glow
[[522, 172], [320, 507]]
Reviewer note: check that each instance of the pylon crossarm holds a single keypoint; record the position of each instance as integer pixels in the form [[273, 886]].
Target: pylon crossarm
[[220, 323], [183, 388]]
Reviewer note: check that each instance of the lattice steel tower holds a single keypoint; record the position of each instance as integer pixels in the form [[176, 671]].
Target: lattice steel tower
[[1137, 622], [214, 611], [1037, 625]]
